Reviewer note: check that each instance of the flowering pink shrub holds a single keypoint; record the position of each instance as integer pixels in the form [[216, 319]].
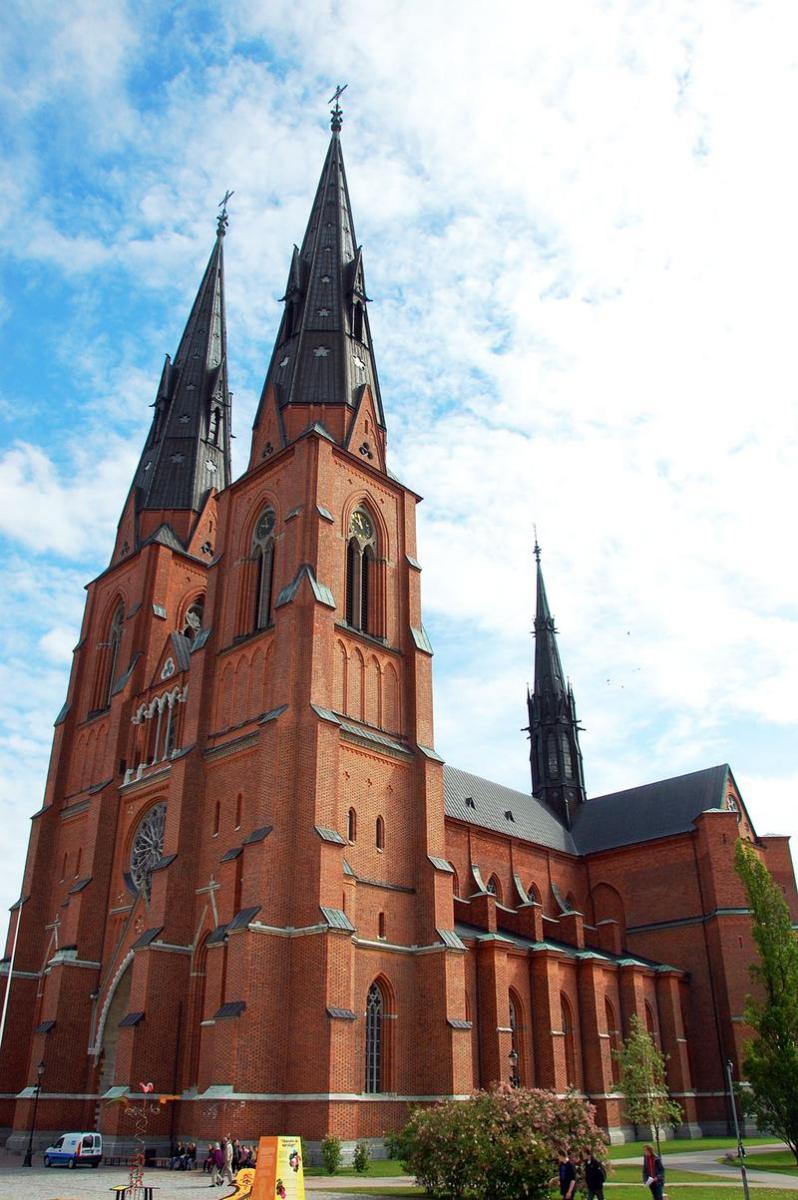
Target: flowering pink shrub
[[500, 1145]]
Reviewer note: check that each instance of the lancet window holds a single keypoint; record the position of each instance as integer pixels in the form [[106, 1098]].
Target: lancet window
[[375, 1047], [109, 658], [361, 550], [263, 555]]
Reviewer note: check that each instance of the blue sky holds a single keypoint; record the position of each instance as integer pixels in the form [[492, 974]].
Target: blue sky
[[579, 237]]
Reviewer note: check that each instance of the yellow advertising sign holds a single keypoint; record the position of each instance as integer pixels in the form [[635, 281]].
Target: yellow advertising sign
[[279, 1174]]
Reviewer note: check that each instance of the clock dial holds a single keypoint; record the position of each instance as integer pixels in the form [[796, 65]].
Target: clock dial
[[361, 525], [265, 526]]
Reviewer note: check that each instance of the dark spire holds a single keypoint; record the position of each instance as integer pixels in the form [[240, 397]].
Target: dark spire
[[555, 756], [188, 449], [323, 352]]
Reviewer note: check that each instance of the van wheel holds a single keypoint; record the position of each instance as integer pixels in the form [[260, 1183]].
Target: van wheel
[[73, 1162], [46, 1161]]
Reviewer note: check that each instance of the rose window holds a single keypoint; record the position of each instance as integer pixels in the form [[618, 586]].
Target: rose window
[[147, 849]]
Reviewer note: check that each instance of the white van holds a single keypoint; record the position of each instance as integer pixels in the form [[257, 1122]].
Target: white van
[[74, 1150]]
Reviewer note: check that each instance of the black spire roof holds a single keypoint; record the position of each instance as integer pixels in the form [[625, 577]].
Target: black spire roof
[[323, 352], [188, 448], [555, 756]]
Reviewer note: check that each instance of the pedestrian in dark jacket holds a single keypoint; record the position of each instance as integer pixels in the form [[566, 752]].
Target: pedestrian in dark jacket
[[653, 1172], [566, 1175], [594, 1178]]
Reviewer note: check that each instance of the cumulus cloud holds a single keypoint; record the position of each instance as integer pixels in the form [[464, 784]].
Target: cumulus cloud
[[580, 245]]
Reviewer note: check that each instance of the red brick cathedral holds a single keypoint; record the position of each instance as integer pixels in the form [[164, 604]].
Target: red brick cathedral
[[254, 882]]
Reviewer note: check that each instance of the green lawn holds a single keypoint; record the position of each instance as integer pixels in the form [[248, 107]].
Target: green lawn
[[723, 1192], [684, 1145], [378, 1168], [775, 1160], [632, 1174]]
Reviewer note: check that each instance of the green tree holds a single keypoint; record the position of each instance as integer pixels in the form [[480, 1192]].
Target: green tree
[[643, 1083], [770, 1059]]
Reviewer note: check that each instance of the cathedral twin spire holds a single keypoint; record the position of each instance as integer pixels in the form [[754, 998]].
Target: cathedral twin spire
[[322, 358], [555, 756], [323, 354], [187, 451]]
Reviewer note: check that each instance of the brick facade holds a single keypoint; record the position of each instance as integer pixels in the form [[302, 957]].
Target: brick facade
[[240, 982]]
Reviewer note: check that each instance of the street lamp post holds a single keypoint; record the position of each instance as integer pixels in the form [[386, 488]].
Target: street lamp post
[[515, 1079], [28, 1160], [740, 1146]]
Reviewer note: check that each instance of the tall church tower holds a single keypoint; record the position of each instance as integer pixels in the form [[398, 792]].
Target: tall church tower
[[237, 885], [555, 756]]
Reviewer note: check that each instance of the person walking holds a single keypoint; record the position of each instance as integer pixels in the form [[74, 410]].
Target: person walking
[[595, 1174], [566, 1175], [217, 1164], [227, 1169], [653, 1172]]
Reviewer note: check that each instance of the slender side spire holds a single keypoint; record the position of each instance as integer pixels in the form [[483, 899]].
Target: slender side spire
[[188, 448], [555, 756], [323, 354]]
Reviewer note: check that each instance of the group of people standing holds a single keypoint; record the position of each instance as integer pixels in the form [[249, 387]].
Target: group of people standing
[[224, 1158], [594, 1174]]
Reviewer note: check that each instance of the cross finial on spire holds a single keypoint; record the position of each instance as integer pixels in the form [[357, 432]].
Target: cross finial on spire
[[221, 220], [337, 116], [537, 547]]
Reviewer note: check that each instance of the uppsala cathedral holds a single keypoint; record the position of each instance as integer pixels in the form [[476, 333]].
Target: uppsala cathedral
[[254, 882]]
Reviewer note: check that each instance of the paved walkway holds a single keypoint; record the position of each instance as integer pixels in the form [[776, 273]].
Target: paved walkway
[[706, 1162], [59, 1183]]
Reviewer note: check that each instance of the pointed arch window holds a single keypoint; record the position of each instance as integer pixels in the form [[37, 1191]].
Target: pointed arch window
[[109, 658], [493, 888], [567, 757], [213, 425], [375, 1041], [263, 555], [609, 1013], [568, 1038], [551, 755], [515, 1040], [351, 831], [361, 550], [380, 834], [357, 320]]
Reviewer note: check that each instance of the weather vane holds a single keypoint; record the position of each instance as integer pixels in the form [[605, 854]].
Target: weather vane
[[537, 547], [337, 116], [221, 220]]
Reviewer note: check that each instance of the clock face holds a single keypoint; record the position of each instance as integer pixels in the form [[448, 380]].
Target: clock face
[[265, 526], [361, 525]]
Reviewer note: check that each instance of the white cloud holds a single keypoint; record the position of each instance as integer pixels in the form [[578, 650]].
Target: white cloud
[[580, 243]]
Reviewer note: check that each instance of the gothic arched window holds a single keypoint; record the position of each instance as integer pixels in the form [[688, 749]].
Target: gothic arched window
[[515, 1040], [360, 556], [570, 1044], [109, 658], [609, 1014], [213, 426], [567, 757], [351, 827], [375, 1048], [493, 887], [380, 834], [263, 554], [357, 320], [551, 754]]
